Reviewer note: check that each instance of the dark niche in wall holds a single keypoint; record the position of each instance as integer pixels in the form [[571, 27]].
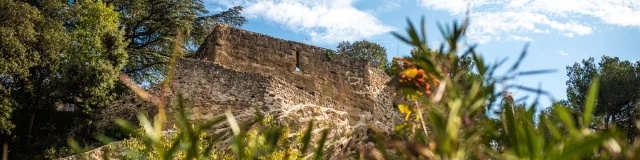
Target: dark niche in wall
[[298, 61]]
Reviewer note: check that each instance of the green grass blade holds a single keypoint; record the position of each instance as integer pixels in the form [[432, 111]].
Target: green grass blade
[[511, 130], [76, 148], [577, 149], [319, 148], [520, 58], [306, 138], [566, 117], [211, 123], [129, 127], [591, 100]]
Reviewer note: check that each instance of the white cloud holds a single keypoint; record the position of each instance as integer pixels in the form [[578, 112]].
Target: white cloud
[[570, 35], [520, 38], [389, 5], [562, 53], [487, 26], [617, 12], [492, 19], [453, 6], [325, 21], [456, 6]]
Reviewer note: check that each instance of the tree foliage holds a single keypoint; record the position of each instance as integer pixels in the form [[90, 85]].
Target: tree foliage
[[18, 32], [70, 52], [55, 52], [31, 46], [365, 50], [619, 94], [150, 27]]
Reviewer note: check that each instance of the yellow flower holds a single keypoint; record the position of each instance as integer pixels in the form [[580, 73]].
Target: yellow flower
[[405, 109], [411, 73]]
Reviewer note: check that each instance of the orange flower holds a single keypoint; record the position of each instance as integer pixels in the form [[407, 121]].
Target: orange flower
[[415, 77]]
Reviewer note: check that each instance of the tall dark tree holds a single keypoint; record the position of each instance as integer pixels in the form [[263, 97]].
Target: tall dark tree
[[56, 52], [365, 50], [151, 25], [619, 92]]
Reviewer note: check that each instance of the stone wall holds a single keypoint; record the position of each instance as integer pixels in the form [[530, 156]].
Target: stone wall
[[237, 70], [210, 89], [341, 77]]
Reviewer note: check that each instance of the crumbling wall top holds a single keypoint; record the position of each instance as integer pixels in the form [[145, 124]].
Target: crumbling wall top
[[316, 70]]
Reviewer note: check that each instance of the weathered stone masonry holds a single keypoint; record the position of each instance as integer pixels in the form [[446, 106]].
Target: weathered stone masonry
[[341, 82], [252, 52], [238, 70]]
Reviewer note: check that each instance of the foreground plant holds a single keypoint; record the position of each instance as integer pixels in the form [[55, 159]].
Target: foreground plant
[[455, 114]]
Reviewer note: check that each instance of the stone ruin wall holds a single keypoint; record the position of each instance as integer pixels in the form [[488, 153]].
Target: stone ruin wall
[[340, 79], [347, 94], [238, 70], [210, 90]]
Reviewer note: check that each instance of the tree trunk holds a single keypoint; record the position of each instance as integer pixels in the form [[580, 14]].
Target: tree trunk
[[606, 123], [5, 151], [33, 116]]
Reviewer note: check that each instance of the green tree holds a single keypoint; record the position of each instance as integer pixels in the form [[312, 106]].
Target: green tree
[[619, 93], [96, 54], [16, 31], [150, 28], [51, 53], [30, 47], [365, 50]]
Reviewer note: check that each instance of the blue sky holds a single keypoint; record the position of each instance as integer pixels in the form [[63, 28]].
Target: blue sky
[[560, 32]]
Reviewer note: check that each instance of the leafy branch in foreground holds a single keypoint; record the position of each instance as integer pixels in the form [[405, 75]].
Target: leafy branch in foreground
[[457, 124]]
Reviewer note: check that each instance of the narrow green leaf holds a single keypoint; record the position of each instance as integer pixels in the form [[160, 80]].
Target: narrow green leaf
[[529, 89], [319, 148], [207, 151], [401, 37], [438, 121], [211, 123], [443, 32], [76, 148], [479, 62], [146, 125], [424, 30], [591, 101], [272, 136], [306, 138], [104, 139], [534, 139], [552, 128], [126, 125], [238, 145], [527, 73], [566, 117], [175, 147], [519, 61], [577, 149], [511, 130]]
